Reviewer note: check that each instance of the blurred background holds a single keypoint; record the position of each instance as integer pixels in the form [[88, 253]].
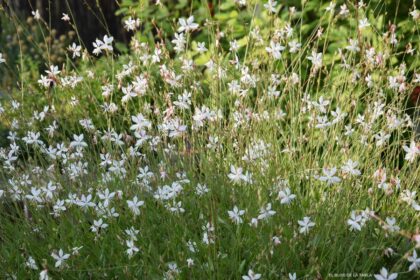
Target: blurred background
[[93, 17], [46, 41], [96, 17]]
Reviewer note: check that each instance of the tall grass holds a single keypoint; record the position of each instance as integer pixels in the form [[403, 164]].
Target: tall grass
[[275, 153]]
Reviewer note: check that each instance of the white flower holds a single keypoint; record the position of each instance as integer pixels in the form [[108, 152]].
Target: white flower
[[276, 240], [60, 258], [266, 212], [275, 49], [251, 275], [78, 141], [173, 268], [329, 176], [134, 205], [330, 7], [305, 225], [187, 24], [106, 45], [2, 60], [106, 196], [285, 196], [389, 252], [201, 189], [363, 23], [190, 262], [59, 207], [32, 138], [85, 201], [36, 15], [381, 138], [294, 46], [384, 275], [45, 81], [235, 215], [292, 276], [201, 47], [128, 93], [34, 195], [140, 122], [350, 168], [132, 249], [131, 24], [241, 3], [236, 174], [65, 17], [391, 225], [75, 49], [413, 204], [321, 104], [179, 42], [31, 263], [415, 261], [411, 151], [192, 246], [97, 47], [316, 59], [354, 45], [176, 207], [270, 6], [415, 14], [234, 46], [98, 225], [53, 71], [355, 221], [132, 233], [253, 222], [344, 11], [338, 115], [43, 275]]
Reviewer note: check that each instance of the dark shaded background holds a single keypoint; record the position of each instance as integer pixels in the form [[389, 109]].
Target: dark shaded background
[[94, 18]]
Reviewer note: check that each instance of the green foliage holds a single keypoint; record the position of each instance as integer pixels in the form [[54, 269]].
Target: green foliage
[[326, 122]]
